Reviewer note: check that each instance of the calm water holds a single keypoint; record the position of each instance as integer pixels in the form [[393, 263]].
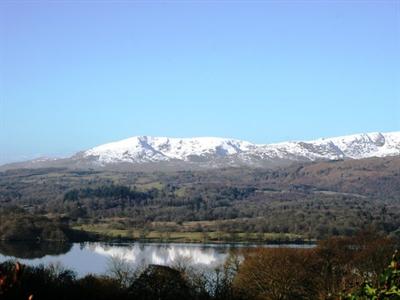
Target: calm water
[[85, 258]]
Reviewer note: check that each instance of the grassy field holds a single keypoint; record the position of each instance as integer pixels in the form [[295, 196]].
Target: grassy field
[[106, 231]]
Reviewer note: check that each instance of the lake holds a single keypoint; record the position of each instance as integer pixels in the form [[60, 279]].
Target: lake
[[95, 257]]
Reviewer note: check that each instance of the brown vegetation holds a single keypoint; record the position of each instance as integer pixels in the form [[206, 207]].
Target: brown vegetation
[[333, 268]]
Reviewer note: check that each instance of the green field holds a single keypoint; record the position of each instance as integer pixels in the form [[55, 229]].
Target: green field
[[106, 231]]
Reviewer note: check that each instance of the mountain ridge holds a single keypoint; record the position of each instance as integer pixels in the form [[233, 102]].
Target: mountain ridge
[[205, 152]]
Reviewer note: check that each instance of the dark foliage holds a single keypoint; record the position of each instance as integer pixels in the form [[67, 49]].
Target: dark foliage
[[160, 282], [18, 225], [112, 191]]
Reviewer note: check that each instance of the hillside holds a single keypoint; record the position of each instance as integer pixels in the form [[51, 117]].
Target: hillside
[[315, 199]]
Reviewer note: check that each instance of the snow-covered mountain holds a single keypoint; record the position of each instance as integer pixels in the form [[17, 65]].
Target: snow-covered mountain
[[152, 149], [208, 150], [221, 152]]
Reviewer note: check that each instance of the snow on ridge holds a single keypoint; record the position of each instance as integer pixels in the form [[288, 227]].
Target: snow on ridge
[[374, 144], [146, 148], [140, 149]]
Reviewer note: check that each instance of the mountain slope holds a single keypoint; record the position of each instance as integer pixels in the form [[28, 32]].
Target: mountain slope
[[220, 152]]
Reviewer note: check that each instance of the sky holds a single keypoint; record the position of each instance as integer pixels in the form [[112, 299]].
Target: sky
[[76, 74]]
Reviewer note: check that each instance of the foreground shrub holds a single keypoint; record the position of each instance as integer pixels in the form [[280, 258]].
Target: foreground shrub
[[344, 262], [388, 287], [160, 282], [18, 282], [272, 273]]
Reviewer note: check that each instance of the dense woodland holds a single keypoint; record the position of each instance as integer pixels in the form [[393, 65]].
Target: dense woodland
[[338, 268], [18, 225], [314, 200]]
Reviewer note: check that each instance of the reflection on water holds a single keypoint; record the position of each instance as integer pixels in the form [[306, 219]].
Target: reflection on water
[[163, 254], [94, 258]]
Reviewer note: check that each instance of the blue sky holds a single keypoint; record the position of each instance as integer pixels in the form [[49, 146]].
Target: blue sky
[[75, 74]]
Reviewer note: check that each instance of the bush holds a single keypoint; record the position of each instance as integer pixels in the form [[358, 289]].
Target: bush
[[388, 287]]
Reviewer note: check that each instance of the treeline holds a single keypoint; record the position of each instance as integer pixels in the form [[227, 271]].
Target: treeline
[[111, 191], [18, 225], [338, 268], [236, 210]]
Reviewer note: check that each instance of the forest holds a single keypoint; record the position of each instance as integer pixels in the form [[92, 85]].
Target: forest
[[307, 201]]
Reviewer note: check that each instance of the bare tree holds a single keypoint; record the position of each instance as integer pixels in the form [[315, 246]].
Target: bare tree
[[122, 271]]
